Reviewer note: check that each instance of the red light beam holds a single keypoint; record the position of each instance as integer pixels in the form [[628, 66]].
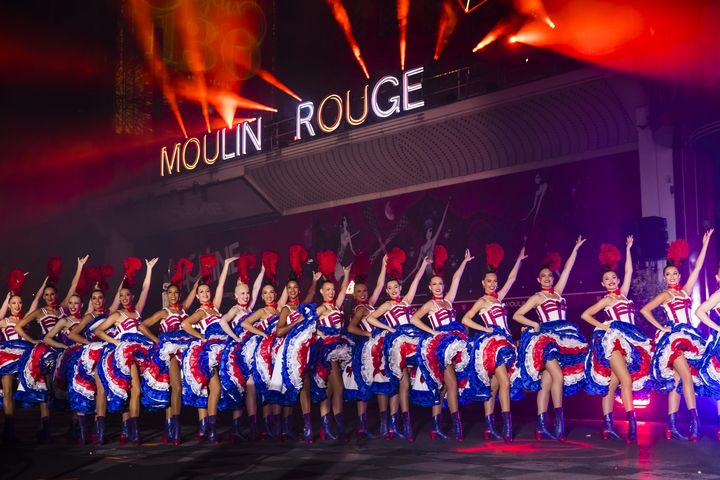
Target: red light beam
[[446, 27], [403, 7], [343, 20], [189, 34], [467, 6], [535, 9], [272, 80]]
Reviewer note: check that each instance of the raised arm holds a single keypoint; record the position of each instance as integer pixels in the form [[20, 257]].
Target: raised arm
[[73, 284], [144, 327], [703, 311], [646, 311], [468, 321], [627, 278], [149, 264], [452, 292], [312, 289], [379, 286], [520, 315], [116, 301], [417, 319], [191, 295], [5, 305], [247, 324], [256, 287], [699, 263], [589, 314], [36, 300], [410, 295], [217, 301], [562, 282], [513, 275], [50, 336], [343, 287]]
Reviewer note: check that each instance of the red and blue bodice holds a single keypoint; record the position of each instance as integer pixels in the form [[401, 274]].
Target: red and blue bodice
[[211, 317], [127, 325], [621, 311], [9, 332], [551, 309], [172, 321], [332, 319], [442, 316], [678, 309], [72, 324], [495, 316], [97, 320], [398, 315], [48, 320]]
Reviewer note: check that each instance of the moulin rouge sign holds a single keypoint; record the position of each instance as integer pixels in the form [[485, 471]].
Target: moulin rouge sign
[[246, 138]]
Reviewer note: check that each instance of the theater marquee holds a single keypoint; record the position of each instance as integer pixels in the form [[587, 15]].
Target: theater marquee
[[246, 138]]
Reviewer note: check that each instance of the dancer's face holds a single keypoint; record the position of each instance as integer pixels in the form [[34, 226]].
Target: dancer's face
[[126, 297], [293, 289], [203, 293], [546, 279], [49, 295], [242, 293], [610, 281], [173, 294], [328, 291], [360, 292], [393, 289], [437, 287], [16, 304], [672, 276], [97, 300], [74, 304], [268, 294], [490, 282]]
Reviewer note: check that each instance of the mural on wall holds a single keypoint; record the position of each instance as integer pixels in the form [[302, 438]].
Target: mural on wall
[[543, 209]]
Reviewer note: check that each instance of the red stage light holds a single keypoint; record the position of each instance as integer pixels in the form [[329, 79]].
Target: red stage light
[[343, 20], [446, 27], [403, 7], [638, 403]]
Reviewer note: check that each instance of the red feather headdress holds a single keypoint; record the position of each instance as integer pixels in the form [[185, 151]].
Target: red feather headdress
[[207, 264], [131, 265], [15, 281], [183, 267], [298, 256], [440, 256], [269, 261], [494, 254], [609, 256], [678, 251], [245, 263], [360, 267], [326, 263], [54, 267], [552, 261], [395, 259]]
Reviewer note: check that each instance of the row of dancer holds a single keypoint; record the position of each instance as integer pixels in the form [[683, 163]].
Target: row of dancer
[[285, 352]]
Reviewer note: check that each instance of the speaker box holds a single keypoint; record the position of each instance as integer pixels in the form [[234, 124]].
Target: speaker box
[[650, 238]]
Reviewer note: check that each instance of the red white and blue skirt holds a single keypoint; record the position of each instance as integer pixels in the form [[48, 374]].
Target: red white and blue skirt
[[400, 352], [557, 340], [83, 387], [11, 353], [356, 385], [294, 357], [266, 350], [234, 369], [36, 368], [683, 340], [447, 349], [198, 363], [634, 346], [488, 352], [114, 366], [710, 369], [156, 376], [335, 346], [374, 364]]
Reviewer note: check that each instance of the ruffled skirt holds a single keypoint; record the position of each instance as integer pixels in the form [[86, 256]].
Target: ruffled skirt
[[557, 340], [335, 346], [447, 349], [115, 364], [35, 369], [683, 340], [635, 347], [488, 352], [156, 376], [82, 388]]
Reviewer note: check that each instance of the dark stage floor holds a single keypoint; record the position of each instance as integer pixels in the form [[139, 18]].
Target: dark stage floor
[[584, 457]]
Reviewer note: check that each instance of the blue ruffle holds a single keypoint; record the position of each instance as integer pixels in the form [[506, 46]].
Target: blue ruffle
[[13, 348], [505, 355], [327, 347], [679, 341], [439, 344], [362, 392], [709, 372], [309, 321], [110, 373]]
